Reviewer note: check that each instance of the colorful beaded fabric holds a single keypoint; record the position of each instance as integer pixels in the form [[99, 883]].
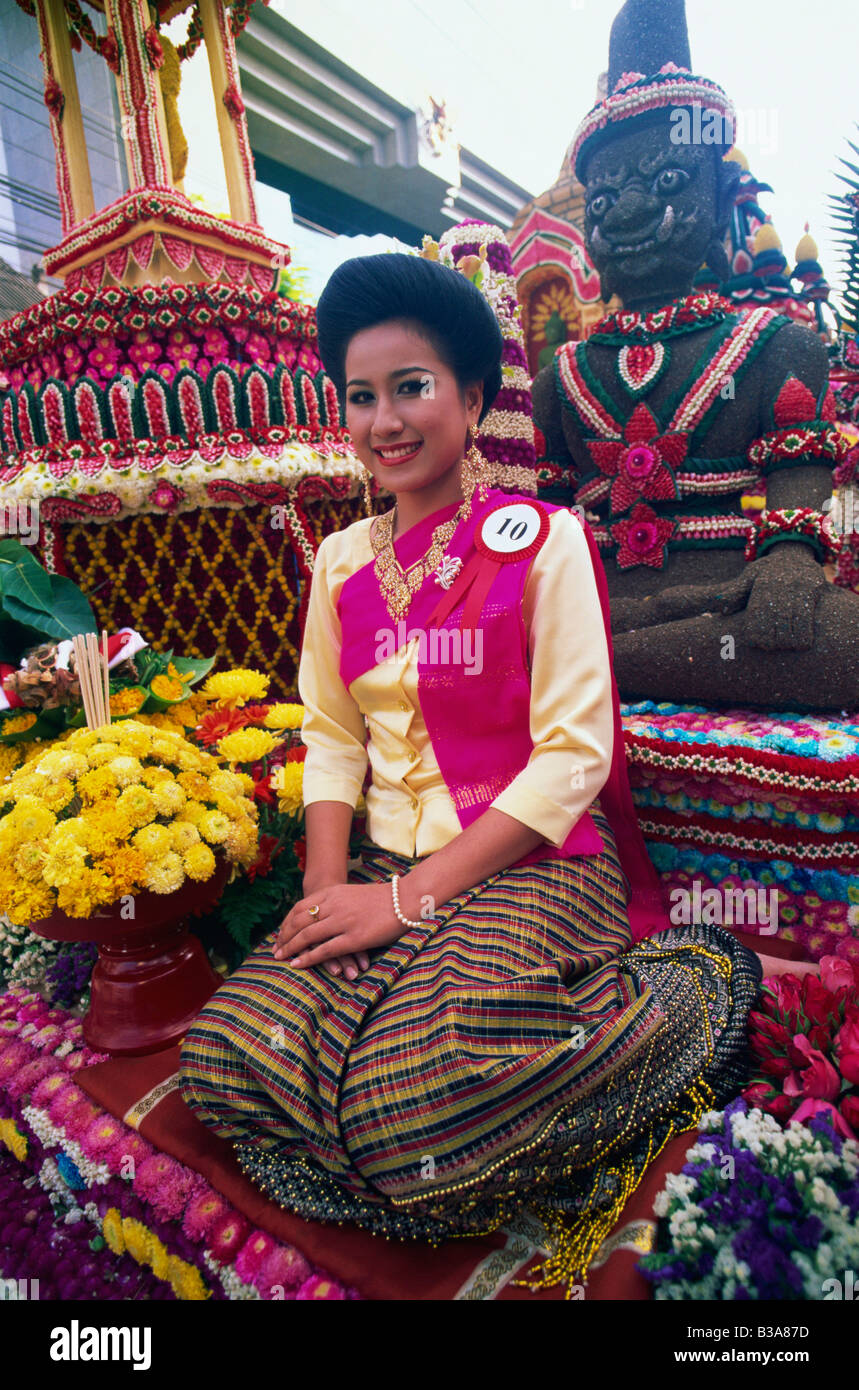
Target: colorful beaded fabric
[[794, 523]]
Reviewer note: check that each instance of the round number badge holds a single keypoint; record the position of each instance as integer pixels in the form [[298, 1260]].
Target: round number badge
[[513, 531]]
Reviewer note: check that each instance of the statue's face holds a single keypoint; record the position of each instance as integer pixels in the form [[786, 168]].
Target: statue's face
[[650, 212]]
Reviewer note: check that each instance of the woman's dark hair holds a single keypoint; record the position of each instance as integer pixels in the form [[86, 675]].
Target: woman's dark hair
[[446, 308]]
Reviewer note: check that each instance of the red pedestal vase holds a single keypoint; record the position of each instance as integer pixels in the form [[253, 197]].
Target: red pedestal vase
[[152, 977]]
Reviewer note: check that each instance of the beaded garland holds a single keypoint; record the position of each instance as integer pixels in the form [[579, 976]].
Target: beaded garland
[[686, 315], [640, 94], [794, 523]]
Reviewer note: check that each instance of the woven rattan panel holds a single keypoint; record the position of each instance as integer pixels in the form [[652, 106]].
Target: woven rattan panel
[[218, 581]]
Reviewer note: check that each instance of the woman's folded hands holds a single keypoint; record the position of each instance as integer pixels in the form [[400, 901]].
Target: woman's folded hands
[[352, 919]]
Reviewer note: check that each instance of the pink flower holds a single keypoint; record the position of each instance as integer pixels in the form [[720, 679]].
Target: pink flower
[[9, 1026], [284, 1266], [201, 1213], [48, 1037], [836, 973], [12, 1058], [253, 1255], [811, 1107], [215, 344], [48, 1087], [166, 1183], [847, 1047], [818, 1080], [29, 1075], [100, 1136], [143, 351], [227, 1236], [320, 1287], [79, 1117], [73, 359], [131, 1146], [257, 348]]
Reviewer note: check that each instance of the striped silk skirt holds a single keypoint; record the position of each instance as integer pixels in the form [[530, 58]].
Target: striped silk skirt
[[515, 1051]]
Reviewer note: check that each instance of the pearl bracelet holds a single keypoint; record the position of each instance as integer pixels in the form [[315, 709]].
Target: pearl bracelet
[[395, 890]]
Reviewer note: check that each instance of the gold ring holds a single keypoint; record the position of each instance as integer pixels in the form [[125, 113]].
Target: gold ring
[[314, 911]]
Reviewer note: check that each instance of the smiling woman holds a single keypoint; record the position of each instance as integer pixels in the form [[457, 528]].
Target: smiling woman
[[491, 1010]]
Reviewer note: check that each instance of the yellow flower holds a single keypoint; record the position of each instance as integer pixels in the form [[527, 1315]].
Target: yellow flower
[[95, 784], [152, 841], [158, 1257], [111, 1229], [247, 745], [138, 1239], [138, 805], [194, 783], [186, 1280], [165, 747], [126, 770], [228, 804], [169, 798], [14, 1140], [284, 716], [228, 783], [214, 826], [58, 794], [71, 765], [24, 903], [232, 688], [101, 753], [19, 722], [183, 835], [29, 820], [28, 784], [190, 759], [185, 714], [247, 782], [124, 870], [192, 813], [10, 757], [154, 776], [165, 874], [199, 862], [30, 859], [289, 787], [242, 842]]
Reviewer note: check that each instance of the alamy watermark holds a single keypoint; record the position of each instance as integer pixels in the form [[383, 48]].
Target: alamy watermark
[[753, 904]]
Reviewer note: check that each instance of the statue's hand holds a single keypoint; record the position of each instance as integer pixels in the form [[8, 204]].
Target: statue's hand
[[787, 588]]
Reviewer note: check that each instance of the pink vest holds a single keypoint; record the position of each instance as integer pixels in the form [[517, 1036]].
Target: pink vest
[[479, 723]]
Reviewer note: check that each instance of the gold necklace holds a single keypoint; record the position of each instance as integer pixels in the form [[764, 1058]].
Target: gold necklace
[[398, 586]]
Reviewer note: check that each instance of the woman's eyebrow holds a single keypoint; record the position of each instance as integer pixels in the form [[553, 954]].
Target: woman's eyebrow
[[401, 371]]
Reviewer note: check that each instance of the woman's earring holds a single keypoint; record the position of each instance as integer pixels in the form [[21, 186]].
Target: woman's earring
[[476, 471], [366, 479]]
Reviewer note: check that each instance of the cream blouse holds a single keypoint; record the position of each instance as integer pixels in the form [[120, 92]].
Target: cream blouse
[[409, 808]]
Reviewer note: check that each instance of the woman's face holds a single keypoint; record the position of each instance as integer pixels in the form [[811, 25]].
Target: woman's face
[[399, 393]]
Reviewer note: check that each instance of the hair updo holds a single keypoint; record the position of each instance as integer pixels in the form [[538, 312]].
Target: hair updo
[[447, 309]]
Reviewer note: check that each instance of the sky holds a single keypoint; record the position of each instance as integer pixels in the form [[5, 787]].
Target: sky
[[518, 76]]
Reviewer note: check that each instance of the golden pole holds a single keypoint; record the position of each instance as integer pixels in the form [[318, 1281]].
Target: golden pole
[[232, 129], [74, 183]]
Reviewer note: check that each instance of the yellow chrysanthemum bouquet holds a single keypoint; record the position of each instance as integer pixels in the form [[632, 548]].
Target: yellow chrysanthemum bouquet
[[114, 810]]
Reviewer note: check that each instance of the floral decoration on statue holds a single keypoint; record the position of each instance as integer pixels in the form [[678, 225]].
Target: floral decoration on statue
[[641, 463], [642, 538]]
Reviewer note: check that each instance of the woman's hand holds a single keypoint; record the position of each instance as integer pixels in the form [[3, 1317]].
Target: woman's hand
[[352, 918]]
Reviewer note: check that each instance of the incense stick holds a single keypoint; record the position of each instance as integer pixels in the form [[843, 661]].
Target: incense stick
[[95, 676], [106, 677], [80, 666]]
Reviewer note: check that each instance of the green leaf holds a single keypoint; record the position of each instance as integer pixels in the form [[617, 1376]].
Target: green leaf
[[50, 603], [197, 666]]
